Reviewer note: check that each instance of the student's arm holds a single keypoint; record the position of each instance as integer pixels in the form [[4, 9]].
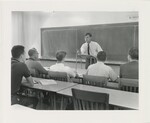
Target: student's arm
[[87, 71], [26, 74], [40, 68], [30, 81], [113, 75], [120, 72], [71, 72]]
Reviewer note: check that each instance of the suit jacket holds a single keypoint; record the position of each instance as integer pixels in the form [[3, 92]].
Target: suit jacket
[[130, 70]]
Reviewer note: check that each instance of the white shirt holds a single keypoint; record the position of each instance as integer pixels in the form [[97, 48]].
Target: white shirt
[[100, 69], [94, 48], [60, 67]]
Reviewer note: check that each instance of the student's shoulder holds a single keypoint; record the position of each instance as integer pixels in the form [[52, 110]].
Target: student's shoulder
[[37, 62], [124, 65], [21, 65], [91, 66], [67, 68]]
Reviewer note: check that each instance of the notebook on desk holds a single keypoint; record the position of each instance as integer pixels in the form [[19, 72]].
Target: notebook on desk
[[48, 82]]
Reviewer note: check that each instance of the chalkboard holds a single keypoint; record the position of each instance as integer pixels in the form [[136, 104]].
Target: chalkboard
[[115, 39]]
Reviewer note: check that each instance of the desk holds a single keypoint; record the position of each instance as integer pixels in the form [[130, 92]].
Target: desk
[[21, 107], [52, 88], [116, 97]]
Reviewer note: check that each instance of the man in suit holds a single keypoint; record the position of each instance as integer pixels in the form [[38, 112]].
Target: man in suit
[[130, 70], [90, 48]]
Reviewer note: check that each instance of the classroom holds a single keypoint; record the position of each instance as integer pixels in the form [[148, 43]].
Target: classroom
[[75, 60]]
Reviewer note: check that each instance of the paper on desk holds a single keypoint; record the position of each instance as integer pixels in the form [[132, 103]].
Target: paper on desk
[[48, 82]]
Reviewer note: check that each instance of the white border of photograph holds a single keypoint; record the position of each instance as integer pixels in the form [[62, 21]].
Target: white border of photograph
[[9, 114]]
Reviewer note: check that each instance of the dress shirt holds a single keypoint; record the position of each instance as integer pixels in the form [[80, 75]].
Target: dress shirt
[[60, 67], [100, 69], [94, 48]]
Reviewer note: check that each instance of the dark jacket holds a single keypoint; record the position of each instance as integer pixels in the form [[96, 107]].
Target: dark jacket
[[130, 70]]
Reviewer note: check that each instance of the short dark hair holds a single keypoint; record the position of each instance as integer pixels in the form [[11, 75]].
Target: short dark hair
[[134, 53], [17, 51], [32, 51], [60, 55], [101, 56], [88, 34]]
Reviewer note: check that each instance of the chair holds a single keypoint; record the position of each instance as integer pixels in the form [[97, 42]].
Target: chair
[[95, 80], [61, 76], [131, 85], [86, 100], [56, 99]]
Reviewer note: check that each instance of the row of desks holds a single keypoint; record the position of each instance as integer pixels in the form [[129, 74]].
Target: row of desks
[[116, 97]]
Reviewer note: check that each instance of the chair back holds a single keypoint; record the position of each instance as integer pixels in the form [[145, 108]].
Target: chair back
[[86, 100], [61, 76], [131, 85], [95, 80]]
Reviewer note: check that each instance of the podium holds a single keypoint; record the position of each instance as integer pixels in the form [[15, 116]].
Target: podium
[[89, 60]]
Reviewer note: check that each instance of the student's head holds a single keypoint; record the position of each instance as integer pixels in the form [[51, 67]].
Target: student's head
[[18, 53], [33, 53], [101, 56], [60, 56], [88, 37], [133, 54]]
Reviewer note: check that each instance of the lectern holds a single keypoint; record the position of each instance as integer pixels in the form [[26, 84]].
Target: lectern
[[89, 59]]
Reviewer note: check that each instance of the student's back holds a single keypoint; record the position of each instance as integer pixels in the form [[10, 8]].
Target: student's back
[[129, 70], [33, 65], [100, 69], [18, 70], [60, 67]]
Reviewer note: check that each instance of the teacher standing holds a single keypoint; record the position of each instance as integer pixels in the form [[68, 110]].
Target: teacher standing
[[90, 48]]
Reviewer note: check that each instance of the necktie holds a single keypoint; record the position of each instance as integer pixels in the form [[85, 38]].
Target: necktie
[[88, 49]]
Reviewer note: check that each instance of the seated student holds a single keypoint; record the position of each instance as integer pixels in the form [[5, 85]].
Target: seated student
[[130, 69], [100, 69], [33, 65], [18, 71], [59, 66]]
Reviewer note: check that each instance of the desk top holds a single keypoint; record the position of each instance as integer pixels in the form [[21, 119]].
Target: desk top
[[21, 107], [52, 87], [116, 97]]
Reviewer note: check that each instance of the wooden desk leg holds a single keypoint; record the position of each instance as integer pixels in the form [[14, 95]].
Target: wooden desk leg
[[81, 63], [40, 99], [62, 103], [54, 101]]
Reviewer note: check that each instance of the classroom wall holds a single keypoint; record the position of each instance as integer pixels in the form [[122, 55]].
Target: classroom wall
[[26, 25], [17, 28]]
